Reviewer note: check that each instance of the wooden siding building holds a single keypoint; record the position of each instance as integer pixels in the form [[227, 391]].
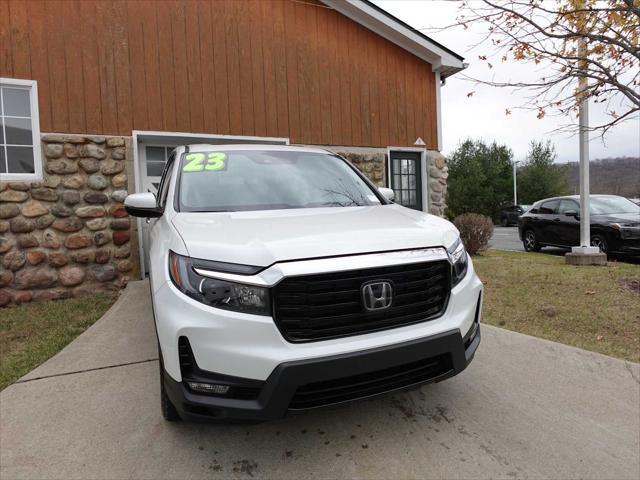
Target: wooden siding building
[[94, 94]]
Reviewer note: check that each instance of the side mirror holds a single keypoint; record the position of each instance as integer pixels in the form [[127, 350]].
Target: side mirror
[[142, 205], [387, 193], [571, 213]]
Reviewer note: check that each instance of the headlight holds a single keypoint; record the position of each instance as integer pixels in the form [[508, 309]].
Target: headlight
[[217, 293], [459, 262]]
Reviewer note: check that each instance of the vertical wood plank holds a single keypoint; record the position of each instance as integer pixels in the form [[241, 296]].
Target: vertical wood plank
[[117, 23], [356, 93], [344, 65], [193, 68], [402, 96], [92, 101], [39, 59], [374, 90], [74, 61], [233, 67], [152, 76], [19, 21], [279, 48], [221, 75], [180, 65], [313, 55], [166, 65], [303, 69], [383, 94], [254, 15], [334, 77], [410, 98], [244, 56], [135, 28], [392, 93], [106, 63], [6, 57], [291, 46], [365, 78], [57, 71], [207, 64], [267, 9], [323, 46]]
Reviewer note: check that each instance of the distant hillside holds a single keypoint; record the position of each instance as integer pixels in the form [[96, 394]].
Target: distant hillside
[[616, 176]]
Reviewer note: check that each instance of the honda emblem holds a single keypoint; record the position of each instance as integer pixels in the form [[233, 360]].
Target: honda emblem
[[377, 295]]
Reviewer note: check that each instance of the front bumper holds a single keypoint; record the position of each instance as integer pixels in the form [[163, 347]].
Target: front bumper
[[311, 383]]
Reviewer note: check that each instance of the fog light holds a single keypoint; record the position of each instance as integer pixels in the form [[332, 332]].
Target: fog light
[[208, 388]]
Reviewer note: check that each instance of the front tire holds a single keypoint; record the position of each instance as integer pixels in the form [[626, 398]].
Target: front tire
[[530, 242], [600, 241], [169, 411]]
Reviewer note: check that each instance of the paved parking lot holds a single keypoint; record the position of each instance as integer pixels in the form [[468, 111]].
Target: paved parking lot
[[525, 408], [506, 238]]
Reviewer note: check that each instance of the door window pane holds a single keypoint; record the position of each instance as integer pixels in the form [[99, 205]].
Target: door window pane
[[154, 169], [567, 206], [18, 131], [20, 159], [3, 162], [16, 102], [549, 208], [156, 158]]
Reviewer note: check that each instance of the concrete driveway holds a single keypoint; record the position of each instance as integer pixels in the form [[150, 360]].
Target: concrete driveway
[[525, 408]]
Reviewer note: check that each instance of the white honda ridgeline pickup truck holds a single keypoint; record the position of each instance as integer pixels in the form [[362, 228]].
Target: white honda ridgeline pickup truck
[[282, 279]]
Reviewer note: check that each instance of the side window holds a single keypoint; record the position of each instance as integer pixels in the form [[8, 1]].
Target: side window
[[20, 157], [163, 189], [568, 206], [549, 208]]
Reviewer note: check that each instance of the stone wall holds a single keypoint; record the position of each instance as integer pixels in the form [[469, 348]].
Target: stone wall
[[438, 174], [69, 234], [373, 163]]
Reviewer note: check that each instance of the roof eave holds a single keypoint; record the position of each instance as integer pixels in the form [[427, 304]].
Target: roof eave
[[393, 29]]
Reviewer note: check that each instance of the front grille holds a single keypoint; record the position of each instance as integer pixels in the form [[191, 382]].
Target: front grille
[[329, 305], [367, 384], [187, 362]]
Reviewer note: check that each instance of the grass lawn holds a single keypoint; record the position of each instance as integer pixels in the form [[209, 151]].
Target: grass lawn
[[32, 333], [595, 308]]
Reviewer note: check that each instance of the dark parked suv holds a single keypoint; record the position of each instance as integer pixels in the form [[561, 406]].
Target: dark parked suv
[[615, 224], [510, 214]]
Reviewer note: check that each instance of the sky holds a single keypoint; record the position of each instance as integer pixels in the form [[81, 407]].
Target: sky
[[483, 114]]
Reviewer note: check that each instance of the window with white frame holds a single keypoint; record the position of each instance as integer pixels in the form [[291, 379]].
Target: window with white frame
[[19, 130]]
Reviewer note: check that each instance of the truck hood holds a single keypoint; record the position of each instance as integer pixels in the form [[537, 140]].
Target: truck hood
[[262, 238]]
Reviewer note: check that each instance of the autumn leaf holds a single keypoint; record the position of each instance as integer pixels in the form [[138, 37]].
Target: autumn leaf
[[507, 111], [470, 94]]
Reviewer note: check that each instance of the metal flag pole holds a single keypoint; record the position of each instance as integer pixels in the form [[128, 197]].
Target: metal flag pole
[[585, 254]]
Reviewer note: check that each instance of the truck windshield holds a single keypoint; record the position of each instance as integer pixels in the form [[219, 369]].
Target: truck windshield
[[243, 180]]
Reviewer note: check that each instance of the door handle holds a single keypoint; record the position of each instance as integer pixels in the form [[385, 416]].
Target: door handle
[[147, 220], [556, 219]]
